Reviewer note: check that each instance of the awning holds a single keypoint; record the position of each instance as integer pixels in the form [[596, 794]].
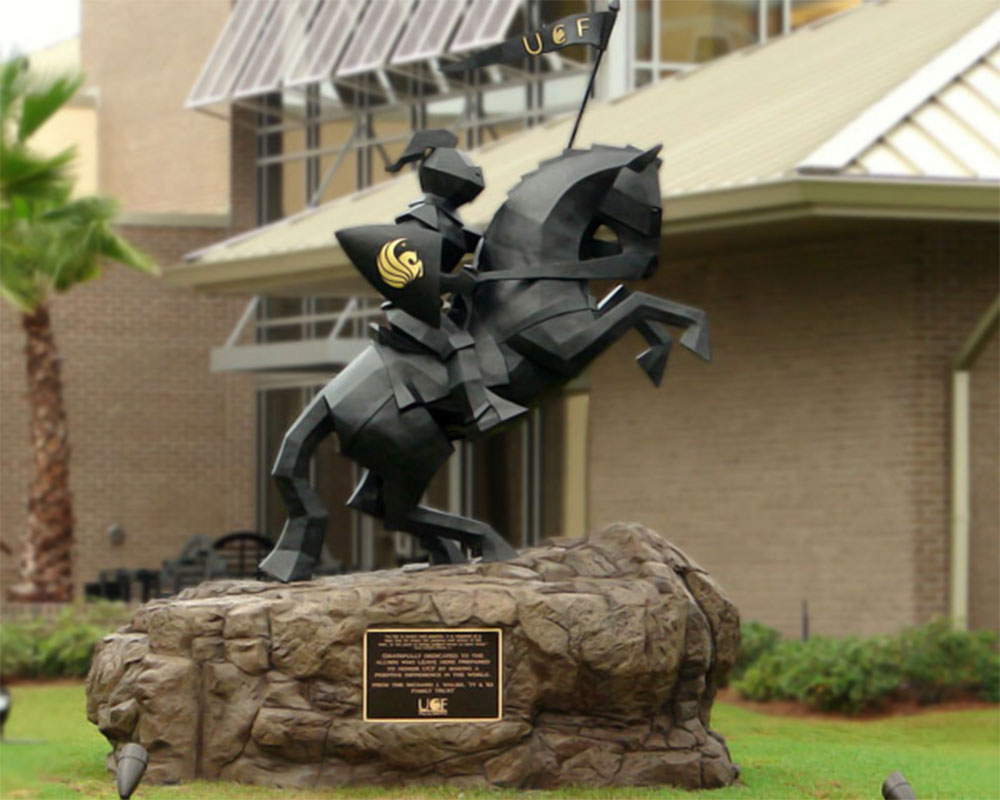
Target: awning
[[267, 45]]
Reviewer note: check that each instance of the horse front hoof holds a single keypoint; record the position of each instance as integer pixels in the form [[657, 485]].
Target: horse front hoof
[[288, 565]]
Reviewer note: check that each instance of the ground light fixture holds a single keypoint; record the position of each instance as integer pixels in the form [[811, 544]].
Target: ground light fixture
[[131, 766], [896, 787], [4, 708]]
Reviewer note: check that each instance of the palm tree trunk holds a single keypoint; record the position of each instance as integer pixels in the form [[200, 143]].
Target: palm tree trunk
[[46, 557]]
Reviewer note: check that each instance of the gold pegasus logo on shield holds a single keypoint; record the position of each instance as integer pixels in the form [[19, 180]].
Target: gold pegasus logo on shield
[[398, 270]]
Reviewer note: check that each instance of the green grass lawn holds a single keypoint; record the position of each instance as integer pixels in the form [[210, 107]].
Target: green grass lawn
[[943, 754]]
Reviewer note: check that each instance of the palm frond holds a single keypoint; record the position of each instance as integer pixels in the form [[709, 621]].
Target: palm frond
[[19, 284], [13, 75], [29, 175], [83, 211], [49, 241], [118, 249], [44, 98]]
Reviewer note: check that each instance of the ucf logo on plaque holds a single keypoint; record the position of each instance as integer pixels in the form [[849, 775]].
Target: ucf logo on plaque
[[433, 674]]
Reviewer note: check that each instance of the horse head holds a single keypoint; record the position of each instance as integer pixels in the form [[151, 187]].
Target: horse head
[[581, 205], [631, 212]]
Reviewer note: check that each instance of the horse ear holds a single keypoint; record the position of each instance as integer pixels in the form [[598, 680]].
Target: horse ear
[[643, 160]]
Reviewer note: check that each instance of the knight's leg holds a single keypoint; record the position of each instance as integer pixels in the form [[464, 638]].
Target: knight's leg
[[301, 542], [569, 354]]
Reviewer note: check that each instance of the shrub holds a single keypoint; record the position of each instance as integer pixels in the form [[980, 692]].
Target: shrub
[[940, 663], [60, 646], [756, 639], [930, 664]]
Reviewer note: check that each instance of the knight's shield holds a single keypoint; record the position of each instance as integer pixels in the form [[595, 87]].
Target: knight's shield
[[402, 262]]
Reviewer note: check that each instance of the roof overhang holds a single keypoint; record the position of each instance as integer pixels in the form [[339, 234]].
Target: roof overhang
[[691, 216]]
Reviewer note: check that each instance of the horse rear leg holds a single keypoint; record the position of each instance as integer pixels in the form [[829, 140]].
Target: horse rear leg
[[367, 498], [394, 501], [424, 522], [301, 543]]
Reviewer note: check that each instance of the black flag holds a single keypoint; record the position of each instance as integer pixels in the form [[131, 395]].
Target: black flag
[[591, 29]]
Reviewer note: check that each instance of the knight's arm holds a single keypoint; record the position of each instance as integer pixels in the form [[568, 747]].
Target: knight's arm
[[472, 239], [464, 281]]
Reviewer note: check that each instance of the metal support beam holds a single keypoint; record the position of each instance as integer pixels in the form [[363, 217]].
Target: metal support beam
[[247, 315], [961, 490], [332, 169]]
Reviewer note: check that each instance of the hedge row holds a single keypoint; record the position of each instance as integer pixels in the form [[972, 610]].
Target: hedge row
[[929, 664], [59, 646]]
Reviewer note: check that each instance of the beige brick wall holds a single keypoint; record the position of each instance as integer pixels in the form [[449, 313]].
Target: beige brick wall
[[159, 445], [809, 460], [156, 156]]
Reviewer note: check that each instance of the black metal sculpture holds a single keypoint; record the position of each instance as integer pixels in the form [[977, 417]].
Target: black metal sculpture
[[520, 322]]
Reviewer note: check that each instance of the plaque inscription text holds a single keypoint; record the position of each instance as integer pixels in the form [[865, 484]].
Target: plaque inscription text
[[433, 674]]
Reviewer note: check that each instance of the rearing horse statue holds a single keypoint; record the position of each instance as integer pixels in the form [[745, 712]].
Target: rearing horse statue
[[521, 323]]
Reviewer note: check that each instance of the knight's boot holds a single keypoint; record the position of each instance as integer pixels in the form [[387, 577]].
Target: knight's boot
[[298, 550]]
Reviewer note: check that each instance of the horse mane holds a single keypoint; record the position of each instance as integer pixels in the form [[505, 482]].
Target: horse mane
[[528, 220], [585, 162]]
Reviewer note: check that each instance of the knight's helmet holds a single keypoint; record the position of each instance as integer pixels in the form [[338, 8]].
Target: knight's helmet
[[444, 172]]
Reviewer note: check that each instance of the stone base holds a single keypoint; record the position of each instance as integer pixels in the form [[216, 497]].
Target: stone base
[[613, 649]]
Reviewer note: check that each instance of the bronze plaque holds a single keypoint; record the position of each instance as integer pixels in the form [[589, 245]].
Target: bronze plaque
[[433, 674]]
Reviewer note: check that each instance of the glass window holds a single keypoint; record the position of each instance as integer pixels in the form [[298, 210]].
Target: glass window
[[642, 77], [644, 30], [668, 35], [497, 488], [334, 479], [278, 409], [700, 30], [273, 310], [805, 11], [775, 18]]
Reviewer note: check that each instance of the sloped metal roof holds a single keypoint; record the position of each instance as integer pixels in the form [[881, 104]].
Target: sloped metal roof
[[942, 122], [747, 134]]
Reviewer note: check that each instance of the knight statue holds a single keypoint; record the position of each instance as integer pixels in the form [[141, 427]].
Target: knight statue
[[518, 323]]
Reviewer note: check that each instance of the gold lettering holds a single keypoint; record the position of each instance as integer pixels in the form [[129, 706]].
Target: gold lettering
[[538, 41], [582, 24], [558, 34]]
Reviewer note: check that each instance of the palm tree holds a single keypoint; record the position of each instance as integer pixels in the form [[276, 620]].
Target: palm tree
[[48, 242]]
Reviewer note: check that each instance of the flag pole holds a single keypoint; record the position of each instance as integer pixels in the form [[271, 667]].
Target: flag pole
[[613, 7]]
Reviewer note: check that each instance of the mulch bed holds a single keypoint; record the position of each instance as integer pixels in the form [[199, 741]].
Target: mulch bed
[[16, 680], [896, 708]]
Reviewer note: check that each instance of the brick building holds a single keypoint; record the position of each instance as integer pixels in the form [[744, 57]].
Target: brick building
[[830, 197], [163, 457]]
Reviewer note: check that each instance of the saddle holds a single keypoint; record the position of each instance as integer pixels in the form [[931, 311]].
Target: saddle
[[446, 370]]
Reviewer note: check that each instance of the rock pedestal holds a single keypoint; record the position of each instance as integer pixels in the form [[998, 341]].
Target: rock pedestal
[[613, 647]]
